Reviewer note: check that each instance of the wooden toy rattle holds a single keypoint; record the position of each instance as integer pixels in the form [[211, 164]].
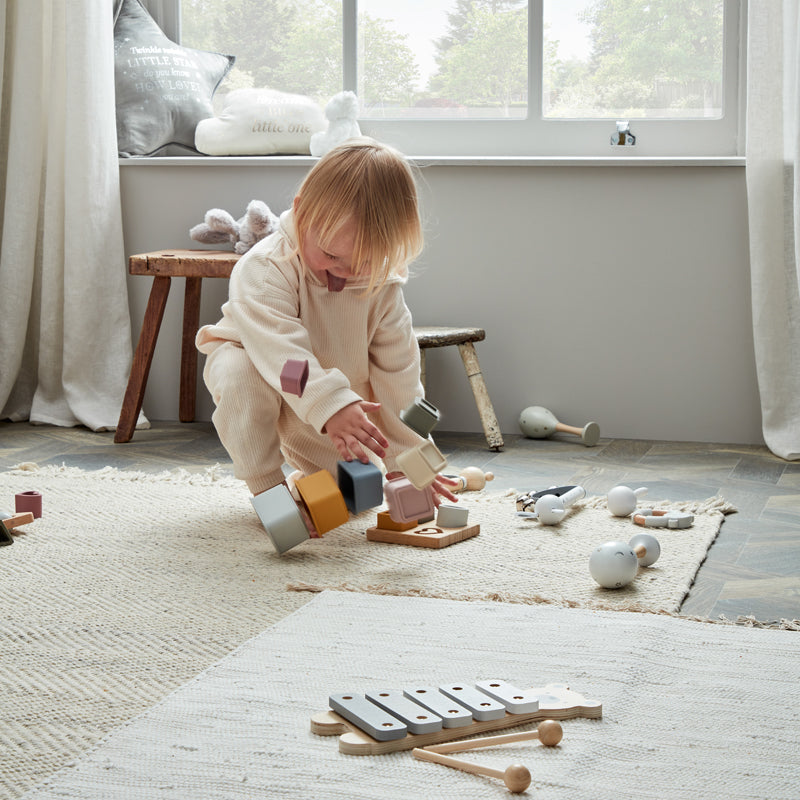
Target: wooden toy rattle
[[537, 422], [516, 777], [471, 479], [648, 518], [622, 500], [615, 564], [527, 500], [551, 509]]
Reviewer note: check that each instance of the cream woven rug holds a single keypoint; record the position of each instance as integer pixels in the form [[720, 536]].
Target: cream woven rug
[[130, 584], [690, 710]]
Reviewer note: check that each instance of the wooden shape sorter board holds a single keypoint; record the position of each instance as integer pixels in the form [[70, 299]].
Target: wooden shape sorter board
[[424, 535], [556, 701]]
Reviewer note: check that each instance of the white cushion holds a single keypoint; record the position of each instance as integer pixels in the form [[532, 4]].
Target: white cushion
[[256, 122]]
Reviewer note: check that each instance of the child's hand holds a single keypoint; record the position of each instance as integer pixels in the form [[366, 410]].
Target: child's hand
[[440, 487], [351, 430]]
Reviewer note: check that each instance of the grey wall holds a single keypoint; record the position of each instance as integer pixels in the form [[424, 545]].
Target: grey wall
[[616, 294]]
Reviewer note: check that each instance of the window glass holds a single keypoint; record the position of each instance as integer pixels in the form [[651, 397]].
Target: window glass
[[633, 59], [443, 59], [497, 77], [281, 44]]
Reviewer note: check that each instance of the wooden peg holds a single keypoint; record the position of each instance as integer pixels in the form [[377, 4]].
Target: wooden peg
[[16, 520], [549, 733], [516, 777]]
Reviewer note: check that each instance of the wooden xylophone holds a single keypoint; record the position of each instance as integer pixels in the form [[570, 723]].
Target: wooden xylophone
[[385, 721]]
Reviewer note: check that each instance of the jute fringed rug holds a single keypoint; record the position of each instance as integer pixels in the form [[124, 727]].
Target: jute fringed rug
[[690, 710], [130, 584], [518, 560]]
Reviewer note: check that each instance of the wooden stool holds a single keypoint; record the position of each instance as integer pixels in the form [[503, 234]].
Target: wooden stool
[[163, 265], [194, 265], [463, 338]]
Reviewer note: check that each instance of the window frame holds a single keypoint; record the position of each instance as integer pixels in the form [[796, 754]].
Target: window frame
[[535, 136]]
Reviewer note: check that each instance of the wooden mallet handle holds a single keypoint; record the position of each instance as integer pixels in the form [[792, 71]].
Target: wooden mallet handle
[[516, 777], [549, 733]]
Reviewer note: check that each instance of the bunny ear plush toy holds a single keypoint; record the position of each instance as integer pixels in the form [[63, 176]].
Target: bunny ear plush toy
[[220, 227], [341, 112]]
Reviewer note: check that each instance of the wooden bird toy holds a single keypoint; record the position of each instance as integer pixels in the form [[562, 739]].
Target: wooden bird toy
[[615, 564]]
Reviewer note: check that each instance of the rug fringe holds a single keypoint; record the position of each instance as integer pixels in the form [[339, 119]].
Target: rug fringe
[[532, 600], [710, 505], [217, 475], [751, 622]]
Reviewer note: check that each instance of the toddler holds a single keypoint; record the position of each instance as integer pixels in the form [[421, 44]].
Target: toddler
[[327, 288]]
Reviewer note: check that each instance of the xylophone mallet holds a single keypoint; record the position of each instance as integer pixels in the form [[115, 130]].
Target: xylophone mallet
[[549, 733], [516, 777]]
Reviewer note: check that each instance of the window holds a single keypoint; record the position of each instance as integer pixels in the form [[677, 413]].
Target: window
[[498, 77]]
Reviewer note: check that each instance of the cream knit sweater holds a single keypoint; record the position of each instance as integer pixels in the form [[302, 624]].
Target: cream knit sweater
[[358, 346]]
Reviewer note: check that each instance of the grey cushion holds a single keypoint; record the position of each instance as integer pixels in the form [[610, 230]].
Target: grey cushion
[[162, 89]]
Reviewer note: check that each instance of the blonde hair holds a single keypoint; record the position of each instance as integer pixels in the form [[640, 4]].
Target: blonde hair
[[371, 184]]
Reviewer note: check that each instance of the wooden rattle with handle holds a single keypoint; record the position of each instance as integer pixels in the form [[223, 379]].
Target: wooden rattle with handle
[[516, 777], [537, 422]]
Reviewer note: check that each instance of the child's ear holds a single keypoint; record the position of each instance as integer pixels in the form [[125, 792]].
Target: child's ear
[[295, 203]]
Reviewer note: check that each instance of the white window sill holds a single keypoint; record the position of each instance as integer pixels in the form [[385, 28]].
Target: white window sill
[[448, 161]]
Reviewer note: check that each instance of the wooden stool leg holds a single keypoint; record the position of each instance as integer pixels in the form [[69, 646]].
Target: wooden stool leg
[[491, 428], [142, 358], [422, 367], [191, 322]]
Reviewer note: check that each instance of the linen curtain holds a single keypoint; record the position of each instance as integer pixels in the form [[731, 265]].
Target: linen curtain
[[773, 194], [65, 331]]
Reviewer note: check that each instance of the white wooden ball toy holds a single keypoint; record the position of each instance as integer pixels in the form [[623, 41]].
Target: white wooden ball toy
[[615, 564], [550, 509], [646, 547], [472, 479], [622, 500], [537, 422]]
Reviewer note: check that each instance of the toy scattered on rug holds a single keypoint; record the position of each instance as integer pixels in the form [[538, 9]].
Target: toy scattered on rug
[[550, 509], [615, 564], [386, 721], [326, 502], [622, 500], [536, 422], [341, 113], [471, 479], [220, 227], [27, 506], [428, 720], [516, 777], [548, 506]]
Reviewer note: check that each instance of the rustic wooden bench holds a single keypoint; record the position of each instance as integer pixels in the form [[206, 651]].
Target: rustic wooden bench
[[194, 265]]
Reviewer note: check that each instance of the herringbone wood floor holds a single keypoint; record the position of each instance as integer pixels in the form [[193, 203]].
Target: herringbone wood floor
[[753, 568]]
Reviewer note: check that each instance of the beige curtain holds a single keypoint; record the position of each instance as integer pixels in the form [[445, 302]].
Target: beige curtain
[[773, 193], [65, 339]]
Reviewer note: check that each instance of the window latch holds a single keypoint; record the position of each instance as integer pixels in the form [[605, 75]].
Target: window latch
[[623, 137]]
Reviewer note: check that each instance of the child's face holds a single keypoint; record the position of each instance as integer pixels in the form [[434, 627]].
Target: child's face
[[332, 264]]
